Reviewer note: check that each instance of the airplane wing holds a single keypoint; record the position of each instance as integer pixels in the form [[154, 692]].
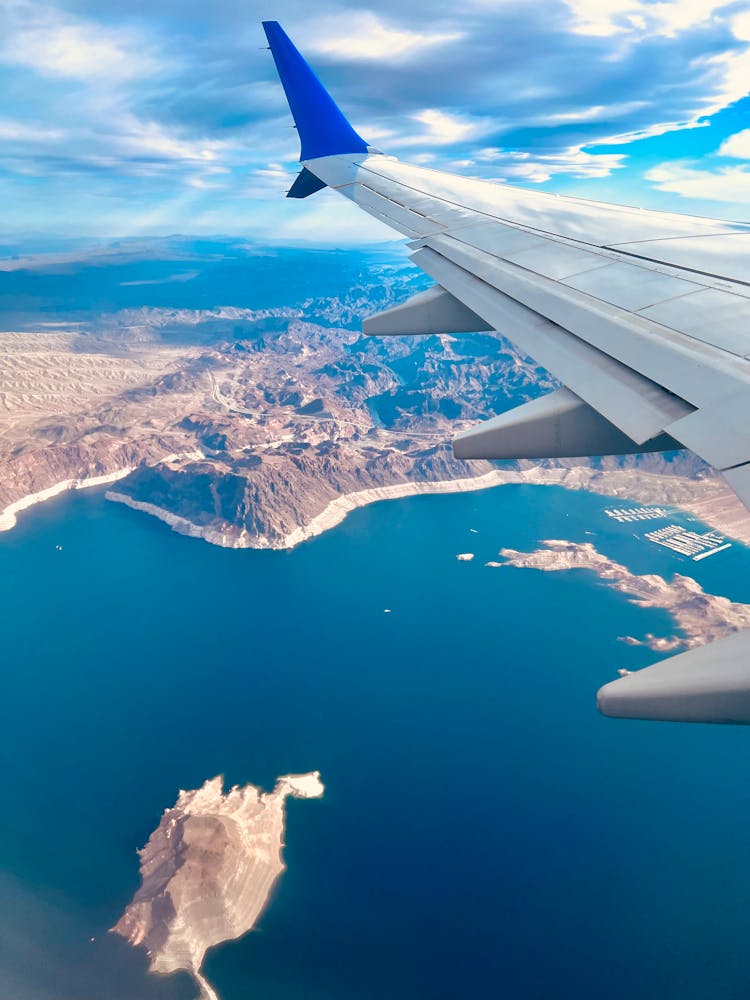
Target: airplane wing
[[644, 316]]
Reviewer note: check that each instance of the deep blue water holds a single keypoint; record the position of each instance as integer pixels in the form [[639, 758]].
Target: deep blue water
[[484, 832]]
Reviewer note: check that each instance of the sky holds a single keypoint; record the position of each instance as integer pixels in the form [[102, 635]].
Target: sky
[[166, 116]]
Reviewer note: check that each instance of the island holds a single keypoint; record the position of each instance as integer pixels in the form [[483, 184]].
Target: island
[[207, 871], [700, 616]]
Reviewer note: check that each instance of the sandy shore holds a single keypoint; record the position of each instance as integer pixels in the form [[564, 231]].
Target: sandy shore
[[8, 516]]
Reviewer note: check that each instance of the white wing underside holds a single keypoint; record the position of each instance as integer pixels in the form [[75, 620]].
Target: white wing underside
[[643, 315]]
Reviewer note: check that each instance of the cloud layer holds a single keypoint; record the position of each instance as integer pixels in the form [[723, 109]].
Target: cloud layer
[[154, 118]]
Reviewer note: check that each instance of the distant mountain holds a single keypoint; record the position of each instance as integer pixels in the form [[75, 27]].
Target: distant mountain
[[229, 388]]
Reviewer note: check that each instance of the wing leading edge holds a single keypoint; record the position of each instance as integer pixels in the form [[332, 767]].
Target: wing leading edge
[[644, 316]]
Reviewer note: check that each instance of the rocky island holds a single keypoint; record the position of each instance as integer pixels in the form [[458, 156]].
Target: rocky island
[[207, 871]]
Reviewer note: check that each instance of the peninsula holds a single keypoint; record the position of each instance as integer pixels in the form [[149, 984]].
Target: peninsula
[[207, 871], [699, 616]]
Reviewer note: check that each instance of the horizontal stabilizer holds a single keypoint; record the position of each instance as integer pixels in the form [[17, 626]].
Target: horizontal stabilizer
[[558, 425], [433, 311], [305, 184], [708, 684], [323, 129]]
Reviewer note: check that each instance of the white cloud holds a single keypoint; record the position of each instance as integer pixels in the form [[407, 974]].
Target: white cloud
[[439, 128], [604, 17], [365, 36], [731, 79], [737, 145], [75, 49], [154, 141], [275, 172], [658, 128], [667, 18], [594, 113], [203, 182], [16, 131], [741, 26], [443, 129], [270, 182], [104, 97], [538, 168], [726, 184]]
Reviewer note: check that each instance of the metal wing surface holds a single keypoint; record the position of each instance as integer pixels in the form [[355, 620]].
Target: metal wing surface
[[644, 316]]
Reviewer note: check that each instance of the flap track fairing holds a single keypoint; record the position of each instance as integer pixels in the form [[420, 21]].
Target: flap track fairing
[[558, 425], [707, 684], [430, 312]]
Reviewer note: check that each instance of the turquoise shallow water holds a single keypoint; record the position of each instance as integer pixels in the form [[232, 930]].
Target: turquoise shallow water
[[484, 831]]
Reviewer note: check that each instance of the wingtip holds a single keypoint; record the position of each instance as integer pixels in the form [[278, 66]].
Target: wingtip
[[322, 127]]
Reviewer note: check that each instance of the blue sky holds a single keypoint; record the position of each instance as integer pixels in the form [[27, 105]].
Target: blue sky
[[166, 116]]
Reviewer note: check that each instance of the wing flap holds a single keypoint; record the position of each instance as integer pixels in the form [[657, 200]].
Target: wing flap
[[673, 360], [637, 406], [721, 434]]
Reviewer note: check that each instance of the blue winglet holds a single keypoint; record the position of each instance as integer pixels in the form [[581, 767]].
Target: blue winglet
[[322, 128]]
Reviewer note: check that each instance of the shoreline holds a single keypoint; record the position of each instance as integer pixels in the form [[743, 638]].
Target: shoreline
[[183, 526], [337, 510], [721, 510], [710, 500], [8, 517], [717, 505]]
